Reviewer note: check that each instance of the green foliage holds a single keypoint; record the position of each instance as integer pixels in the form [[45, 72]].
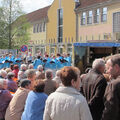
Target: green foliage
[[20, 32], [13, 25], [3, 31]]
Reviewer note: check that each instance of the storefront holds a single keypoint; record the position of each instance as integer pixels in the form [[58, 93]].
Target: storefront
[[86, 53]]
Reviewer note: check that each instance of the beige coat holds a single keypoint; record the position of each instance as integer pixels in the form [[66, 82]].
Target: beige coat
[[16, 106], [66, 104]]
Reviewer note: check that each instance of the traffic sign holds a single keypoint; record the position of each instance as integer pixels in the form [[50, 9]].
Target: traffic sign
[[24, 48]]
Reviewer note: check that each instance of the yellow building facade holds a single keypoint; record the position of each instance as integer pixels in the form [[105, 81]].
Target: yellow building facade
[[101, 21], [38, 20], [61, 27], [98, 30]]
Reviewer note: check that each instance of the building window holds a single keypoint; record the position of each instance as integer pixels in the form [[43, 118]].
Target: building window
[[83, 18], [44, 27], [104, 15], [116, 22], [60, 25], [41, 27], [89, 18], [37, 28], [96, 17], [34, 28]]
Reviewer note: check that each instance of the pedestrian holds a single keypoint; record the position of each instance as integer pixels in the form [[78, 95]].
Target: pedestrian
[[5, 98], [67, 103], [35, 102], [50, 85], [112, 93], [93, 88], [17, 104]]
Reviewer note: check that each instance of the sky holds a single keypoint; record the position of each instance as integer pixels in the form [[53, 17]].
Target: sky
[[32, 5]]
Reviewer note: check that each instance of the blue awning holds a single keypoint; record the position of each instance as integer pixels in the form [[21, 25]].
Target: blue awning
[[97, 44]]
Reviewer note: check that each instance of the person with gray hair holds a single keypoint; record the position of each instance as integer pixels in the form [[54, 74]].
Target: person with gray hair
[[50, 85], [31, 75], [93, 88], [57, 77], [5, 98], [40, 68], [3, 74], [30, 66], [21, 73], [99, 64]]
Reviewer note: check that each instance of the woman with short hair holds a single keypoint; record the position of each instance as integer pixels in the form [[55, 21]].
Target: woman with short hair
[[67, 103], [35, 102]]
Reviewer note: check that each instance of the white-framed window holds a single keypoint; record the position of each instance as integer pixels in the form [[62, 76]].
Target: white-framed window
[[60, 25], [52, 50], [96, 16], [40, 27], [34, 28], [83, 18], [37, 28], [44, 25], [104, 14], [89, 18]]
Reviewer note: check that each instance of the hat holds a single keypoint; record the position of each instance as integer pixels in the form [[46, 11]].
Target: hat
[[24, 82]]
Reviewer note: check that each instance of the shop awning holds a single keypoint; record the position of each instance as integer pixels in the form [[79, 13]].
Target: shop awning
[[97, 44]]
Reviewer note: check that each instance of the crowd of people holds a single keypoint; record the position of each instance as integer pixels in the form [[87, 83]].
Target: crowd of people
[[35, 94], [52, 62]]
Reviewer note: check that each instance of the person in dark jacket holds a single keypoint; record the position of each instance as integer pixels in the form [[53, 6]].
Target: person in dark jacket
[[93, 88], [112, 93]]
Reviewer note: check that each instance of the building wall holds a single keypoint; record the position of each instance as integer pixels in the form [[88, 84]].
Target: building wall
[[97, 31], [37, 38], [69, 24]]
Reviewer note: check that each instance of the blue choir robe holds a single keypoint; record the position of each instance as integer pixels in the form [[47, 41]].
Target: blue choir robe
[[53, 64], [5, 64], [37, 62], [18, 63], [59, 65], [47, 63], [1, 64], [69, 61]]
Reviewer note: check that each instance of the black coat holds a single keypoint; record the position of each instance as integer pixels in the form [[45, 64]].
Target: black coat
[[112, 101], [93, 88]]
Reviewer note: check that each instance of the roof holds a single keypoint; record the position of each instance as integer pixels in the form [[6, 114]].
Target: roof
[[38, 14], [86, 3]]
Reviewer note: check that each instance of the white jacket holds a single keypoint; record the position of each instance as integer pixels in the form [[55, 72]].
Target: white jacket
[[66, 103]]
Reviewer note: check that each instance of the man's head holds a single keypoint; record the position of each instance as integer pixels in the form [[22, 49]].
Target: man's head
[[23, 67], [113, 66], [49, 74], [30, 66], [3, 84], [31, 74], [99, 65], [3, 73], [24, 83], [40, 68]]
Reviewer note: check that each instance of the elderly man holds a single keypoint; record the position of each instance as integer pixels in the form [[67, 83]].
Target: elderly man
[[93, 88], [21, 73], [3, 74], [31, 75], [112, 93], [50, 85]]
